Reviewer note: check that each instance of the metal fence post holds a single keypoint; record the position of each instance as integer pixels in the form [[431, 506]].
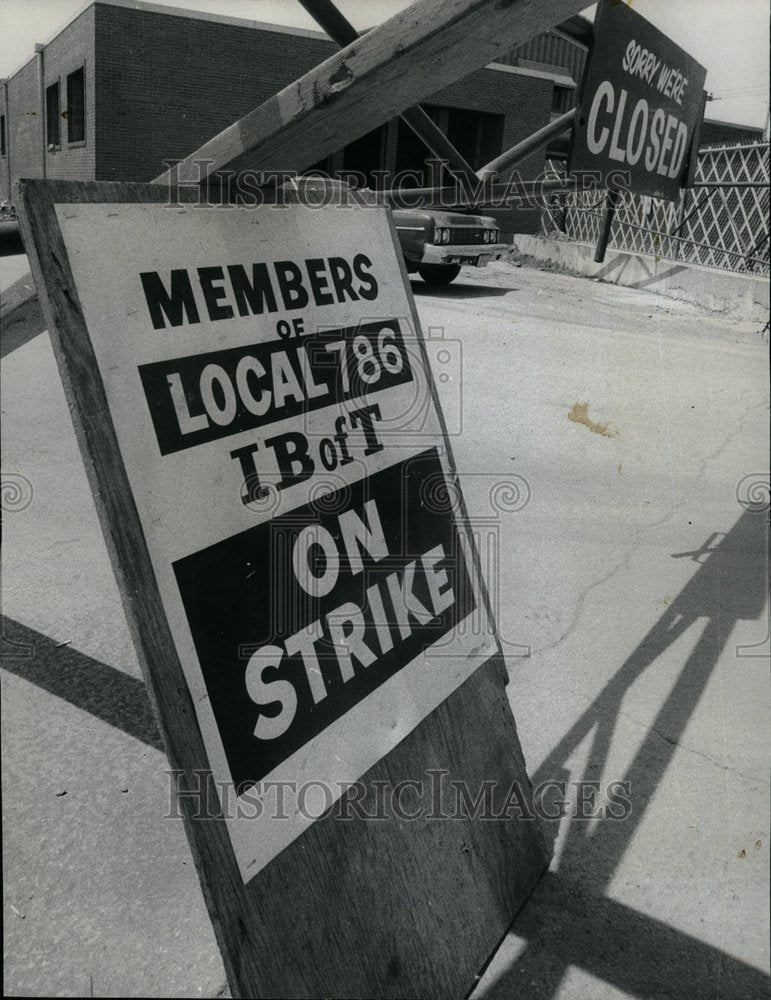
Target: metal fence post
[[607, 222]]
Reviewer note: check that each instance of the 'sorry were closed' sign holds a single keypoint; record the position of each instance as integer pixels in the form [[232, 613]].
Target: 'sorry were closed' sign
[[641, 101]]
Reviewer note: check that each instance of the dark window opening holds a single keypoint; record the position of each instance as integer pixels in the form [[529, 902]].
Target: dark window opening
[[412, 152], [2, 135], [53, 136], [563, 99], [321, 167], [365, 155], [477, 135], [76, 106]]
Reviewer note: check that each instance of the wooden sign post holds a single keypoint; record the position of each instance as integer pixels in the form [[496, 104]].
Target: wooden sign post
[[257, 416]]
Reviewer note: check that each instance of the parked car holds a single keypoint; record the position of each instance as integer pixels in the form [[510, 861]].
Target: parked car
[[7, 212], [435, 243]]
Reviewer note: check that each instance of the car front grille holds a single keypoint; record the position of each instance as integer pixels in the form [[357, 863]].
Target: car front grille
[[466, 234]]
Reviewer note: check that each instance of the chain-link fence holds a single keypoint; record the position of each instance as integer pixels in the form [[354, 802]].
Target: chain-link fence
[[724, 225]]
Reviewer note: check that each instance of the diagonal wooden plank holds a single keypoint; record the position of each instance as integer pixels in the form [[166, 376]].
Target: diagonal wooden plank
[[413, 55], [341, 31], [424, 48]]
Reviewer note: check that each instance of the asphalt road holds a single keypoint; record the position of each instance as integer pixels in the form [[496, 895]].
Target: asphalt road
[[611, 444]]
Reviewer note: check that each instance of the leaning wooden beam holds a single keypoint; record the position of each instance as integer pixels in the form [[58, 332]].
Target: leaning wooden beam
[[365, 84], [485, 194], [424, 48], [523, 149], [328, 17]]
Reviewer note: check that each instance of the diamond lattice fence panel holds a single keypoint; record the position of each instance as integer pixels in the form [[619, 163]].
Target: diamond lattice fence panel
[[724, 227]]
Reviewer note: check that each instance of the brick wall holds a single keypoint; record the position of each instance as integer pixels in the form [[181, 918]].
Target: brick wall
[[159, 85], [5, 154], [24, 137], [72, 48], [167, 84]]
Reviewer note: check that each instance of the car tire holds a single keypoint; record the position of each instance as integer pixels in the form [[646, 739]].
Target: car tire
[[439, 274]]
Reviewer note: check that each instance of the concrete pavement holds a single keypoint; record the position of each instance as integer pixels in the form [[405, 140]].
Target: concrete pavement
[[631, 566]]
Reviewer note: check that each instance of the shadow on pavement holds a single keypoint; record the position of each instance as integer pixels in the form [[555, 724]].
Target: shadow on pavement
[[108, 694], [20, 325], [458, 290], [567, 925], [10, 239], [567, 920]]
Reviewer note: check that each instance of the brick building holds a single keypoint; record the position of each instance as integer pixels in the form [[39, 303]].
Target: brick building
[[127, 85]]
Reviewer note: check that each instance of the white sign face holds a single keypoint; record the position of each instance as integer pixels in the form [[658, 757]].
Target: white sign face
[[276, 422]]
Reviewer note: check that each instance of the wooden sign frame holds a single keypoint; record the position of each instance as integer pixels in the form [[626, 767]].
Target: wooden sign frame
[[353, 908]]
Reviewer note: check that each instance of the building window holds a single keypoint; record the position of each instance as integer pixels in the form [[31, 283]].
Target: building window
[[76, 106], [563, 99], [411, 152], [477, 135], [2, 135], [365, 155], [53, 137]]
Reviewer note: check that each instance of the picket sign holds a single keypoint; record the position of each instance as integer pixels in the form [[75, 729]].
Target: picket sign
[[256, 413]]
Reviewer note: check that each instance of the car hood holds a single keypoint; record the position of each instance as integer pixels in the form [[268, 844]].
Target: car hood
[[415, 217]]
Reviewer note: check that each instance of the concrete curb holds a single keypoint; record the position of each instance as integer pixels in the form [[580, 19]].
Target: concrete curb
[[738, 296]]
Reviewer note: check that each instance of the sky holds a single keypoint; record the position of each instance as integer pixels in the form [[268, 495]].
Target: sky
[[729, 37]]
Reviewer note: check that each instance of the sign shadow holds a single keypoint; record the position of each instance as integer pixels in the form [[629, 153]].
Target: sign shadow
[[568, 920]]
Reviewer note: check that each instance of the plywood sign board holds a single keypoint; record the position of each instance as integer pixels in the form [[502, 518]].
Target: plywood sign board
[[641, 105], [256, 411]]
